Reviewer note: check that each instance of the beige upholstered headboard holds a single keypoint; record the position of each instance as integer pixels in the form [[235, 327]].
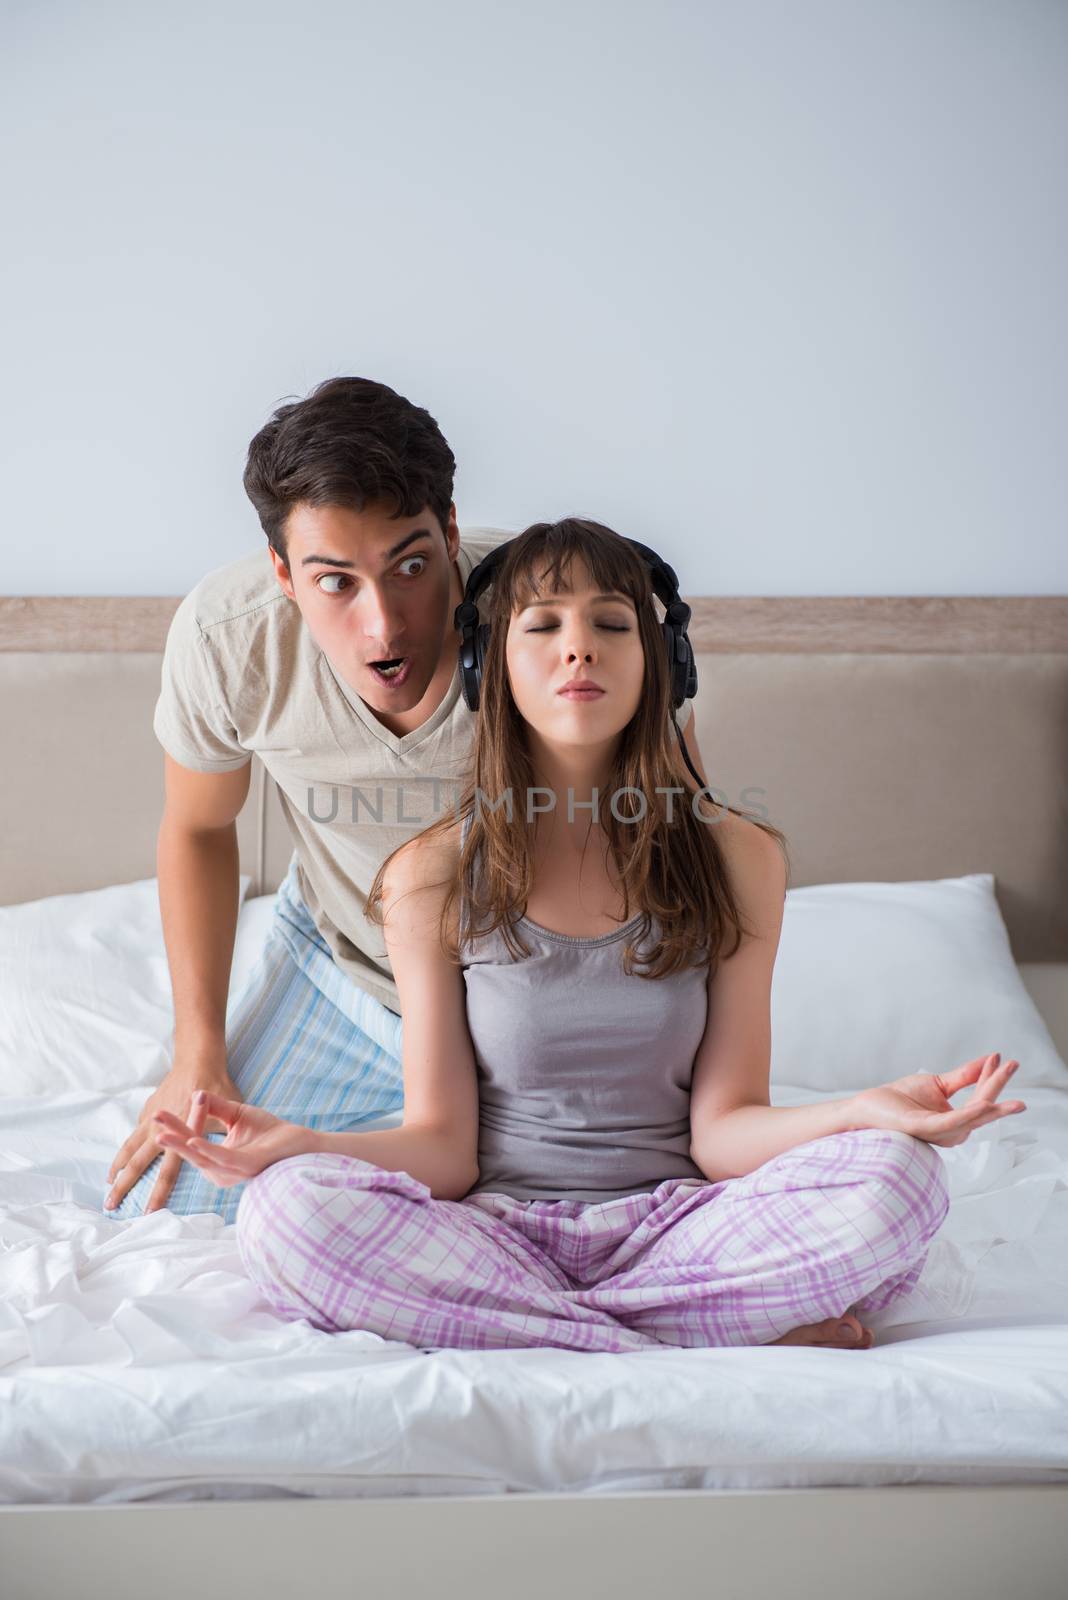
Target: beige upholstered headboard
[[890, 737]]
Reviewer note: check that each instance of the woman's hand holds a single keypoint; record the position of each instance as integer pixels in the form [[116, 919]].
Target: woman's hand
[[174, 1095], [919, 1104], [254, 1139]]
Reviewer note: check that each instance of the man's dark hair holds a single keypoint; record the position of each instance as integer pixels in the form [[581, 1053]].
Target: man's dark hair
[[352, 443]]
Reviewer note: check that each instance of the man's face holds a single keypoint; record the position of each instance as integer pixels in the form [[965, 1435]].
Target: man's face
[[372, 588]]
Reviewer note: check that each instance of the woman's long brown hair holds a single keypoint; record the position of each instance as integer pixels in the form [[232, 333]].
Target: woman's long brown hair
[[673, 871]]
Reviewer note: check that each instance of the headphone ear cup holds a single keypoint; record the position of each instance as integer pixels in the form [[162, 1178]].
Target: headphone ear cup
[[682, 669], [687, 669], [468, 687], [670, 651], [471, 677], [469, 666], [482, 648], [474, 636]]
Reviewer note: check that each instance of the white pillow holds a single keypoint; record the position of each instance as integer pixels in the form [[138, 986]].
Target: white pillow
[[876, 980], [85, 991], [872, 981]]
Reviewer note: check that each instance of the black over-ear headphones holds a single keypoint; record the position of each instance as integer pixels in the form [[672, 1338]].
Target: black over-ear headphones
[[682, 668]]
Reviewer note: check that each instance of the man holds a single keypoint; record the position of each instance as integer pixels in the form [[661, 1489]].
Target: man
[[333, 656]]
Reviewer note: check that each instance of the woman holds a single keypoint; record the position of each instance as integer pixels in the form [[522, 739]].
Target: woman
[[589, 1159]]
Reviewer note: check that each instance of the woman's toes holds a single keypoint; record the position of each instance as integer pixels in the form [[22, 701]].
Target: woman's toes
[[843, 1333]]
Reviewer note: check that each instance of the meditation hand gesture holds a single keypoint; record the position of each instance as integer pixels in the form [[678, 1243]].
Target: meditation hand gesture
[[919, 1104], [254, 1139]]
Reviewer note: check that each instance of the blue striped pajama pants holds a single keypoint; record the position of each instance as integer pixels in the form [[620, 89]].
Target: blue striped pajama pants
[[303, 1042], [837, 1224]]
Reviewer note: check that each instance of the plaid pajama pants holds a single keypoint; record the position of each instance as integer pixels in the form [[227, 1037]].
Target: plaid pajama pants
[[838, 1224]]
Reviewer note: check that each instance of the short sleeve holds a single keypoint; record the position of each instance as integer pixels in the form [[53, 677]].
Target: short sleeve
[[191, 722]]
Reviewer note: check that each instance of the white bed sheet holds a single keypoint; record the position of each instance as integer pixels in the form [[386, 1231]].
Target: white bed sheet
[[139, 1363]]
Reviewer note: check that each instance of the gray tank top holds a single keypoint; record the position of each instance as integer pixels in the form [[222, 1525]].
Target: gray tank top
[[583, 1072]]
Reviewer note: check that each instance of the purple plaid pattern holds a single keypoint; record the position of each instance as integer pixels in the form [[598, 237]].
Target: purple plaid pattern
[[838, 1224]]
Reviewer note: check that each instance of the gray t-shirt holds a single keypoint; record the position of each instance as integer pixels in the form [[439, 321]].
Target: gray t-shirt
[[584, 1073], [242, 676]]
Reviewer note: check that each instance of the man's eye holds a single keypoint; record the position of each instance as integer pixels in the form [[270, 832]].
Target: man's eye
[[341, 579]]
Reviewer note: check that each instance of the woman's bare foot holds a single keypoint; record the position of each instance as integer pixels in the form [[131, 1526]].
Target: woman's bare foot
[[834, 1333]]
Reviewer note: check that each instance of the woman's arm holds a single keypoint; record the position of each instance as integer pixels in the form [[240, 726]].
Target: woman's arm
[[437, 1142], [734, 1128]]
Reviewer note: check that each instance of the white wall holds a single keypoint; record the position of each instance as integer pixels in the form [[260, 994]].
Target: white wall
[[778, 288]]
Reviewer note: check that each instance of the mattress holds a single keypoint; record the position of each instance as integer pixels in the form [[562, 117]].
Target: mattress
[[139, 1363]]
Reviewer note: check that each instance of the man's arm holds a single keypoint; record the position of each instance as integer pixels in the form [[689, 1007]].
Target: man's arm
[[198, 869], [198, 866]]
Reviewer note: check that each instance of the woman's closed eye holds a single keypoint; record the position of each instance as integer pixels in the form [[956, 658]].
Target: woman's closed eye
[[612, 627]]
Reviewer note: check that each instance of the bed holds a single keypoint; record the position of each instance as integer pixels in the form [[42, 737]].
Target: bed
[[155, 1416]]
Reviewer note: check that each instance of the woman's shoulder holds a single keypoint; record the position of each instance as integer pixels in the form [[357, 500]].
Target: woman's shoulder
[[426, 865], [753, 856], [756, 868]]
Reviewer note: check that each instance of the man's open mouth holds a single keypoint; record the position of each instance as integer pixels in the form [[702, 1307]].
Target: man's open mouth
[[392, 670]]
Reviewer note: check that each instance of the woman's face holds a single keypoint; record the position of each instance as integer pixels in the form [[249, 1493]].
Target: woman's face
[[576, 634]]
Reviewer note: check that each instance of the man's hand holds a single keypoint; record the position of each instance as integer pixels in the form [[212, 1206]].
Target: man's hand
[[175, 1094]]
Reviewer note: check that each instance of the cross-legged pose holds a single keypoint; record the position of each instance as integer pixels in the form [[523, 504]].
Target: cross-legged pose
[[589, 1159]]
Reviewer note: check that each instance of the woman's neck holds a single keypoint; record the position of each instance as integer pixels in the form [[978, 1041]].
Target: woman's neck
[[572, 773]]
